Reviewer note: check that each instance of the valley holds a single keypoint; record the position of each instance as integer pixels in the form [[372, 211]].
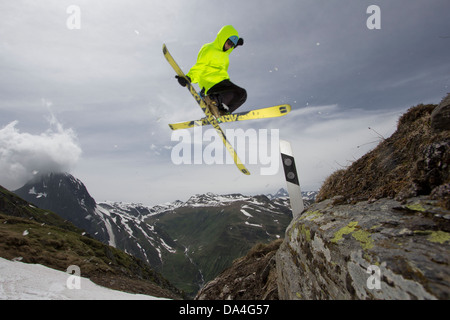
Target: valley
[[189, 242]]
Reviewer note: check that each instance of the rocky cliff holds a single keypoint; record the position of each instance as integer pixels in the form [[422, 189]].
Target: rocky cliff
[[380, 229], [379, 250]]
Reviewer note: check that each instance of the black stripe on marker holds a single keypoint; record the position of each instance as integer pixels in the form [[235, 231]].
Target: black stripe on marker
[[290, 171]]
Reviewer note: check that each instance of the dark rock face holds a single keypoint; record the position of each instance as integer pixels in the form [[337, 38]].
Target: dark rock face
[[440, 118], [67, 196]]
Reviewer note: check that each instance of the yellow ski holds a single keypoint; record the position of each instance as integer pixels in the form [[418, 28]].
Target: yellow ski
[[211, 119], [264, 113]]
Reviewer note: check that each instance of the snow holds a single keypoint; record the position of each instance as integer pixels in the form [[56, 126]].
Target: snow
[[253, 225], [105, 214], [167, 247], [246, 213], [212, 200], [21, 281], [37, 194]]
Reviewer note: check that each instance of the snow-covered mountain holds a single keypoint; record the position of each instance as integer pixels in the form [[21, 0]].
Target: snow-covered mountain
[[188, 242], [118, 225], [309, 196], [67, 196], [200, 236]]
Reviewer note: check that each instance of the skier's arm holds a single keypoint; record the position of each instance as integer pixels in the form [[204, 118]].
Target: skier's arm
[[197, 70]]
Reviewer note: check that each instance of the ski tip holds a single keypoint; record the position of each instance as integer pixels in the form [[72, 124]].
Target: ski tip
[[285, 108], [245, 171]]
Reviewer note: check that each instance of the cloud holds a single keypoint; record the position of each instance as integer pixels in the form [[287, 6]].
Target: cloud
[[110, 82], [24, 154]]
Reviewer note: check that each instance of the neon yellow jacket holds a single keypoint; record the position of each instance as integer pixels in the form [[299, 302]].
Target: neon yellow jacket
[[212, 62]]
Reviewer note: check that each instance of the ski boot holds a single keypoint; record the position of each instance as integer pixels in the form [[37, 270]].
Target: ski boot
[[213, 103], [223, 110]]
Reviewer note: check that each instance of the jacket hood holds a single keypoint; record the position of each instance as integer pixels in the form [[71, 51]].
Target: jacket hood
[[223, 35]]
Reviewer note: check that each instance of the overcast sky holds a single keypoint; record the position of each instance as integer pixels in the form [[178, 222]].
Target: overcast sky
[[96, 101]]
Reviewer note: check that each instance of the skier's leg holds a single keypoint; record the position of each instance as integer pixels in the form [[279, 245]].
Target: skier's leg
[[232, 95], [234, 99]]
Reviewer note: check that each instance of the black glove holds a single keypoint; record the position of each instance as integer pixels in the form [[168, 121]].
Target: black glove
[[240, 42], [183, 81]]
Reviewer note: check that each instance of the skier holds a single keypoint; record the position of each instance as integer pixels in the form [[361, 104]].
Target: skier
[[210, 72]]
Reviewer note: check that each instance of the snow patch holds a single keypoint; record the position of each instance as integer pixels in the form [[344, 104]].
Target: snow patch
[[22, 281], [37, 194], [246, 213], [253, 225]]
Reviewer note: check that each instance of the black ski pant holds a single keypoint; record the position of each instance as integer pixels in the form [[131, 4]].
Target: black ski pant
[[231, 95]]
